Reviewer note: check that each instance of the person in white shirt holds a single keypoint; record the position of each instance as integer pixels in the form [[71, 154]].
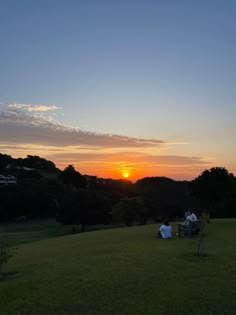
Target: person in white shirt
[[191, 217], [165, 230]]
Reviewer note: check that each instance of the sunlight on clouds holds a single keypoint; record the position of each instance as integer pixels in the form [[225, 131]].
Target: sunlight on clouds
[[27, 129], [138, 165], [17, 125], [33, 108]]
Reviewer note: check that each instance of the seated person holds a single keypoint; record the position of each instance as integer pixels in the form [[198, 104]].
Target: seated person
[[190, 217], [165, 230], [189, 225]]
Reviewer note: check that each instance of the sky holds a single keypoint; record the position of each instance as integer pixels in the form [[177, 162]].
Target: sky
[[120, 88]]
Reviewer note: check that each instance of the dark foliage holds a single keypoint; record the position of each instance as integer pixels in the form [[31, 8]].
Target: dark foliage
[[215, 190], [84, 207], [163, 196], [72, 179], [5, 160], [44, 191]]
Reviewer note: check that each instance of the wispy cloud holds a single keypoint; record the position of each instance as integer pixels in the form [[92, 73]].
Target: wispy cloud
[[132, 157], [137, 164], [33, 129], [31, 107], [25, 123]]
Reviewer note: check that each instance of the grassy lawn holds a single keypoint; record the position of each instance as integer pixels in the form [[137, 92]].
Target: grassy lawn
[[122, 271], [28, 232]]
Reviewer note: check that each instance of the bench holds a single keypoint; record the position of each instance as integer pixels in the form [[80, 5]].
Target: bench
[[189, 230]]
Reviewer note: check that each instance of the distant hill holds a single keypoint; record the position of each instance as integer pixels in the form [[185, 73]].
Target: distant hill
[[10, 165]]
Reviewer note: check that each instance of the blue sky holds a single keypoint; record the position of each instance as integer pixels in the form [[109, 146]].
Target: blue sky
[[161, 70]]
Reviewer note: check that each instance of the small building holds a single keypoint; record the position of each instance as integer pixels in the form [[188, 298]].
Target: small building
[[7, 179]]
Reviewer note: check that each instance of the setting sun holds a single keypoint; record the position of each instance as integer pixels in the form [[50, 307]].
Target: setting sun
[[126, 174]]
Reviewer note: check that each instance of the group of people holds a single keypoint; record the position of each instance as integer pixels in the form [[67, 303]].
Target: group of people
[[165, 230]]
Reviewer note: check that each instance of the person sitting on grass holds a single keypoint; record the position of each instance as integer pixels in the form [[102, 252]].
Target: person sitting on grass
[[165, 230]]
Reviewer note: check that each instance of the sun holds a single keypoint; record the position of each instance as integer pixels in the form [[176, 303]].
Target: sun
[[126, 174]]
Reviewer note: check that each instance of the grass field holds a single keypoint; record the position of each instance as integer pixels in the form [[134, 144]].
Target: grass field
[[120, 271]]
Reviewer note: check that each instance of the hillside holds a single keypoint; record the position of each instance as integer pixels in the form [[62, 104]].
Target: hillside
[[123, 271]]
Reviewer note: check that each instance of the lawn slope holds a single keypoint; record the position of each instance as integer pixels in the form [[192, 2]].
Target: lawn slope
[[123, 271]]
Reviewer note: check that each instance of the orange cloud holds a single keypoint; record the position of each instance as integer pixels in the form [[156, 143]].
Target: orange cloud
[[30, 129], [138, 165]]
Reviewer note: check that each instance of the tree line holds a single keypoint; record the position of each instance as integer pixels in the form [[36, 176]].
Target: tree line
[[44, 191]]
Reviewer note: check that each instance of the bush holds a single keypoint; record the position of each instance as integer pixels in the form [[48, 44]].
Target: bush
[[205, 216]]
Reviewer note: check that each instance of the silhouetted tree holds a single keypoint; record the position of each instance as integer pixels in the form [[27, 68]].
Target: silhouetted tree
[[72, 179], [215, 190], [5, 160], [34, 161], [164, 197], [126, 211], [84, 207]]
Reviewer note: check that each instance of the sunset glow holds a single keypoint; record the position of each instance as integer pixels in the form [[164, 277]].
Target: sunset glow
[[126, 174], [126, 91]]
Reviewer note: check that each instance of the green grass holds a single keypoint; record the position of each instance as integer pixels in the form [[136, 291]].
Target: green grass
[[28, 232], [123, 271], [31, 231]]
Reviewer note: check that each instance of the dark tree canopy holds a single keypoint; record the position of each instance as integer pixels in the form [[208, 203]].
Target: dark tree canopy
[[215, 189], [164, 197], [84, 207], [72, 179], [40, 189], [5, 160]]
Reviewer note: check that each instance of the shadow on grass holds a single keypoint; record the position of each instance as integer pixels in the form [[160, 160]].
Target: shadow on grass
[[8, 275]]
